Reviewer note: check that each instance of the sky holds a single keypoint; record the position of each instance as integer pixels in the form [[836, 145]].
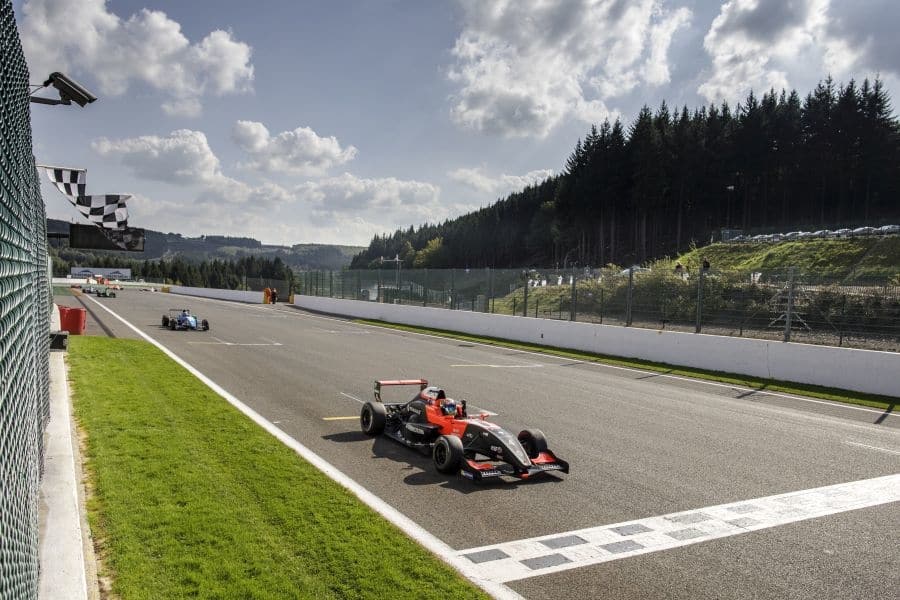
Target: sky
[[332, 121]]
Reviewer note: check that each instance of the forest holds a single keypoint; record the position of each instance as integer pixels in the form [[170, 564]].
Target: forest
[[221, 274], [673, 179]]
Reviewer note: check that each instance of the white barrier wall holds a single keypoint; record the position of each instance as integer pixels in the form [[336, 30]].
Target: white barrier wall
[[858, 370], [235, 295]]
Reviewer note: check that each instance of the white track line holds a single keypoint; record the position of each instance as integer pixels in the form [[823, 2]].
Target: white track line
[[412, 529], [630, 369], [872, 447], [353, 398], [521, 559]]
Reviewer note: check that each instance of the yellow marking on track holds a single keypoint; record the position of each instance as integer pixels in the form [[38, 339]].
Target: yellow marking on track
[[339, 418]]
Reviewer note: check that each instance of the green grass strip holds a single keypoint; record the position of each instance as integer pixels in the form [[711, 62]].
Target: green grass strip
[[757, 383], [192, 499]]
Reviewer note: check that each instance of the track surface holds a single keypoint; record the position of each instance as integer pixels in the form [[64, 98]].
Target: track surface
[[640, 445]]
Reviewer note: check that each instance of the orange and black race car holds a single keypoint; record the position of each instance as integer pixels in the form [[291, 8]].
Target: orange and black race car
[[472, 446]]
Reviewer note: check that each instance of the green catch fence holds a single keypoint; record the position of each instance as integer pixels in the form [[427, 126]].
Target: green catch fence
[[785, 305], [25, 303]]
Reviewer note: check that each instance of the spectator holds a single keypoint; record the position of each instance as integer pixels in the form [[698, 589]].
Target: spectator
[[679, 270], [274, 295], [705, 265]]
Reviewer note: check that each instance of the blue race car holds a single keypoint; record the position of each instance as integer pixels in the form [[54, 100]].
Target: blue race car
[[181, 318]]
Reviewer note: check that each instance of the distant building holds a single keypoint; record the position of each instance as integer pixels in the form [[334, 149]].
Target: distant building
[[106, 273]]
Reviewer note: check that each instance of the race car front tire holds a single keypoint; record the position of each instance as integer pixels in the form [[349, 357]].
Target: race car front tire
[[372, 418], [533, 441], [447, 454], [165, 320], [204, 325]]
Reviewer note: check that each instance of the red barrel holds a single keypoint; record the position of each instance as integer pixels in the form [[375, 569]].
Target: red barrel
[[72, 320]]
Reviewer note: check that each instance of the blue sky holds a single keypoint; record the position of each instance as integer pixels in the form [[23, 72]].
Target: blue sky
[[298, 121]]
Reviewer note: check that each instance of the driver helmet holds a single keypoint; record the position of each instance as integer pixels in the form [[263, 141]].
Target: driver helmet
[[185, 312], [449, 406]]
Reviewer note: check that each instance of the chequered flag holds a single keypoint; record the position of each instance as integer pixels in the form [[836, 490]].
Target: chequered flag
[[107, 211]]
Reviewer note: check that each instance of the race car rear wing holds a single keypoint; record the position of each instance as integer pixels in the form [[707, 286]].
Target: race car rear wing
[[422, 383]]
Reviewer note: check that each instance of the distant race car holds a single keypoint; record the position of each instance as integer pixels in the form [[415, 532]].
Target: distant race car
[[105, 292], [181, 318], [471, 446]]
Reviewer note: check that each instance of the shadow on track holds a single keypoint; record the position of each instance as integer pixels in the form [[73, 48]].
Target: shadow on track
[[421, 468]]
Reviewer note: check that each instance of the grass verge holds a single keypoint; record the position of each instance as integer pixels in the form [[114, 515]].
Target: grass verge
[[769, 385], [191, 499]]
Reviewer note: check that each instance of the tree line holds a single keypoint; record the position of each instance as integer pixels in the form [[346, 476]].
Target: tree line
[[773, 164], [219, 274]]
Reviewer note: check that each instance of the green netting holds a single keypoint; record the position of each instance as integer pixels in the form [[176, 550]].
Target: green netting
[[24, 324]]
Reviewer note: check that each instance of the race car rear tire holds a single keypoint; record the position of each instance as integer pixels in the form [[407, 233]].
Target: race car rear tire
[[533, 441], [165, 321], [447, 454], [204, 325], [372, 418]]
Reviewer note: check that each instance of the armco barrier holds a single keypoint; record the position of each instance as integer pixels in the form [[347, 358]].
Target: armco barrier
[[234, 295], [858, 370]]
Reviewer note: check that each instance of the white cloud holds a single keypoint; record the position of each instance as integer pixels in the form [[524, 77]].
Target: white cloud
[[182, 157], [499, 186], [522, 66], [297, 152], [83, 36], [343, 209], [754, 43], [350, 194]]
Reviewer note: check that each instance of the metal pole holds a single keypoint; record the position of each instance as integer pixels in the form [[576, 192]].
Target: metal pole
[[790, 306], [525, 299], [629, 297], [537, 303], [490, 290], [342, 284], [425, 290], [699, 301], [378, 297], [574, 309], [841, 329], [601, 306], [358, 289], [452, 289], [331, 284]]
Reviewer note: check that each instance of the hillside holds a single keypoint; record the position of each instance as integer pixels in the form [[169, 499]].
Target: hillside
[[210, 247], [853, 259]]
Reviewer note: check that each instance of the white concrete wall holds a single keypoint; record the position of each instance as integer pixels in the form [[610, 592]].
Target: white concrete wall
[[234, 295], [858, 370]]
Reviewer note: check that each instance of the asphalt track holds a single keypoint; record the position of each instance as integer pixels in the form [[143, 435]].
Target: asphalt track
[[642, 447]]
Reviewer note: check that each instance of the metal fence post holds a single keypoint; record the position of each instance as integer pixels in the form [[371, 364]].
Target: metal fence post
[[525, 299], [331, 284], [841, 328], [790, 306], [342, 284], [452, 289], [425, 290], [697, 325], [573, 316], [491, 289], [629, 297], [601, 306], [378, 295]]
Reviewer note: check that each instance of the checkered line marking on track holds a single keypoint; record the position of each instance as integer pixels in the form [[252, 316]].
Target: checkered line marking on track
[[562, 551]]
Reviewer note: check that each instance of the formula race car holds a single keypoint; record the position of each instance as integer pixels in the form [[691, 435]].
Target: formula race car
[[181, 318], [105, 292], [471, 446]]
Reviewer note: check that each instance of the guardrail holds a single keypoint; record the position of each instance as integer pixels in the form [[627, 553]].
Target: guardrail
[[866, 371]]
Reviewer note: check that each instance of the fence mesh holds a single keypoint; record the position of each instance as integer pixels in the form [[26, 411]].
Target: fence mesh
[[785, 305], [24, 324]]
